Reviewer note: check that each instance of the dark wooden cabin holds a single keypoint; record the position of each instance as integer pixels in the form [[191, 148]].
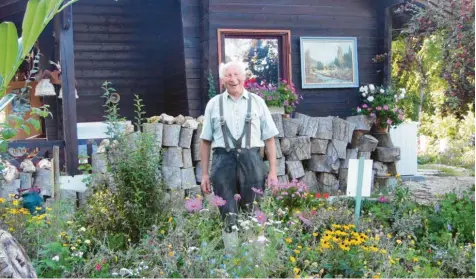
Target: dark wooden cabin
[[163, 50]]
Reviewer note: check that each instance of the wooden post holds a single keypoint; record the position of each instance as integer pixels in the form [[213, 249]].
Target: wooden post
[[358, 196], [56, 171], [69, 96]]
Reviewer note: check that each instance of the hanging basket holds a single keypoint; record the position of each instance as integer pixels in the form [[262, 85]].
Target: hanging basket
[[61, 93], [45, 88]]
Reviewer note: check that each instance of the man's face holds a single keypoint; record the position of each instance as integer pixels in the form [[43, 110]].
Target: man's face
[[233, 80]]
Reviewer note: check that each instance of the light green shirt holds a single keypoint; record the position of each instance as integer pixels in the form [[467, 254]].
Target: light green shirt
[[262, 124]]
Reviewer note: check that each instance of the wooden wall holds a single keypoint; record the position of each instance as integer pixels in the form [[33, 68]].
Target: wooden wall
[[118, 41], [353, 18]]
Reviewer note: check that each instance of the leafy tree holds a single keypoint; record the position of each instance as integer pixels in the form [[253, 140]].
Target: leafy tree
[[264, 62], [453, 20]]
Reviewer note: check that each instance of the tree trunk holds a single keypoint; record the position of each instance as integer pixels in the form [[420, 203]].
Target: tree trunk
[[14, 262]]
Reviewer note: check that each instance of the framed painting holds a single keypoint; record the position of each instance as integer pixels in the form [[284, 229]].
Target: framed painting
[[265, 53], [329, 62]]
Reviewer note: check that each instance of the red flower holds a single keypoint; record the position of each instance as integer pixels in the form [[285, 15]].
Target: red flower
[[326, 195], [318, 195], [313, 212], [98, 267]]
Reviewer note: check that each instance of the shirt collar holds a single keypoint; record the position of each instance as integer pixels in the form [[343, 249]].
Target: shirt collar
[[245, 94]]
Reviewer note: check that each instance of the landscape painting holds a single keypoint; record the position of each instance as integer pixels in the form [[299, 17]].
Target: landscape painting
[[328, 62]]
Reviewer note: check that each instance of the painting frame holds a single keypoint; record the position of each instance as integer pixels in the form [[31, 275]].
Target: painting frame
[[305, 84], [283, 36]]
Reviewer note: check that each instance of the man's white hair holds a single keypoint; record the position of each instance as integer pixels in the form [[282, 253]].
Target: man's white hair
[[239, 65]]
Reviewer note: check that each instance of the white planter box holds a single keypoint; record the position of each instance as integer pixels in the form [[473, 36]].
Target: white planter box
[[276, 110]]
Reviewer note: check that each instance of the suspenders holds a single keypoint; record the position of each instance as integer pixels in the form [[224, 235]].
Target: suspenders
[[246, 130]]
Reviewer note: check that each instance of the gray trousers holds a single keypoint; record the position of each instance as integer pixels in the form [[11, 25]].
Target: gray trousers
[[234, 172]]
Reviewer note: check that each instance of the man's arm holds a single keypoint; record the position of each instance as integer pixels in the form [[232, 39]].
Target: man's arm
[[271, 155], [205, 159]]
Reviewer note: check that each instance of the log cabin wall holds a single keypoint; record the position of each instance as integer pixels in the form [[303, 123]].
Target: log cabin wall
[[118, 41], [326, 18]]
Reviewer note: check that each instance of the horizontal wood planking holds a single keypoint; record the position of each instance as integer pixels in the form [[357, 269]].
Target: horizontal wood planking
[[114, 42], [326, 18]]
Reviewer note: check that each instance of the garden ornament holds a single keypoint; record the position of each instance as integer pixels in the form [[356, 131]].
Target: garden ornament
[[45, 88], [32, 200], [28, 166]]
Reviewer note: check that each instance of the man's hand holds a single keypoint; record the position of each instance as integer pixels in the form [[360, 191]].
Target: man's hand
[[273, 181], [206, 187]]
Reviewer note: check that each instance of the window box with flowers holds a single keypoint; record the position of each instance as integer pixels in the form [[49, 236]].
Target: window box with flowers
[[381, 104], [282, 99]]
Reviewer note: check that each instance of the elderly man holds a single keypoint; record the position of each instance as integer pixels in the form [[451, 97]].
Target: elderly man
[[237, 124]]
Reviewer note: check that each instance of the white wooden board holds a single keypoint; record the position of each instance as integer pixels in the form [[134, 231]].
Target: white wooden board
[[73, 183], [352, 176]]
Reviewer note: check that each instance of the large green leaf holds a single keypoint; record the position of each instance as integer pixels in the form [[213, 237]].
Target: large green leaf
[[8, 133], [8, 49], [33, 24]]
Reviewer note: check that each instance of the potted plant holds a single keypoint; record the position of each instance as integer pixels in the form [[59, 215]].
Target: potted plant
[[381, 104], [282, 99]]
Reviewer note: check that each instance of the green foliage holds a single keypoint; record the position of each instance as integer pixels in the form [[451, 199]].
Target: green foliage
[[282, 96], [382, 104], [13, 50], [133, 200], [211, 85]]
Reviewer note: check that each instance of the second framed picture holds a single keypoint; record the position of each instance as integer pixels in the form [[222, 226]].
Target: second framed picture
[[329, 62]]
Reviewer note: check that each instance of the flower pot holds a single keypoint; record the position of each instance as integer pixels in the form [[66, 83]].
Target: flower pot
[[379, 129], [274, 109]]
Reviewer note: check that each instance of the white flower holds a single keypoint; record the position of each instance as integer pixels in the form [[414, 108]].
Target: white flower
[[82, 229], [235, 228], [55, 258], [403, 91], [370, 98], [191, 249], [359, 109], [402, 96], [125, 272], [362, 89], [364, 95], [372, 88], [395, 96], [382, 91], [114, 274]]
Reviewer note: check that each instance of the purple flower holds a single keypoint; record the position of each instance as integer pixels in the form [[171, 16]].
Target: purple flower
[[395, 109], [306, 222], [382, 199], [437, 208], [279, 197], [365, 106], [193, 205], [389, 121], [218, 201], [270, 98], [378, 108], [286, 103], [372, 114], [237, 197], [400, 116], [260, 216], [257, 191], [385, 107], [449, 227]]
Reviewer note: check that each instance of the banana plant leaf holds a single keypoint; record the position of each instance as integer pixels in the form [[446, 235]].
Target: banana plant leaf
[[6, 100]]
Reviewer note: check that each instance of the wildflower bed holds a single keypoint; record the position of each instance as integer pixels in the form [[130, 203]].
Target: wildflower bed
[[293, 233]]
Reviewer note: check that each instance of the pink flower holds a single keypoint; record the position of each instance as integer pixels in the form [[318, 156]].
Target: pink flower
[[218, 201], [378, 108], [389, 121], [395, 109], [369, 109], [306, 222], [257, 191], [193, 205], [237, 197], [400, 116], [270, 98], [365, 106], [260, 216], [284, 81], [372, 114], [382, 199], [286, 103], [385, 107], [98, 267]]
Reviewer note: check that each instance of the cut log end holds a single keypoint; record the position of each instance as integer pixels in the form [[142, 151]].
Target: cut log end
[[14, 262]]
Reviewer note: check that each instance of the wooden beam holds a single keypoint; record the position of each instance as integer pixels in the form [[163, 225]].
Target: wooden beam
[[69, 96], [12, 7]]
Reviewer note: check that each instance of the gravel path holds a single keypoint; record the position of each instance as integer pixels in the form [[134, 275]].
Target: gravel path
[[433, 186]]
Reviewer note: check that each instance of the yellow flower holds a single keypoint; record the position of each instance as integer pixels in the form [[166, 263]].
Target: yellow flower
[[288, 240], [15, 202], [78, 241], [171, 253], [187, 198], [170, 246], [308, 248], [415, 259], [292, 259], [314, 208], [87, 241], [375, 276], [2, 200], [297, 251], [38, 208], [383, 251], [377, 238], [398, 175], [413, 242], [11, 195], [69, 222], [296, 270], [389, 236], [11, 229], [399, 241], [162, 231], [170, 219], [409, 236], [65, 245], [299, 246], [161, 273], [314, 234], [438, 263], [73, 248], [49, 208]]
